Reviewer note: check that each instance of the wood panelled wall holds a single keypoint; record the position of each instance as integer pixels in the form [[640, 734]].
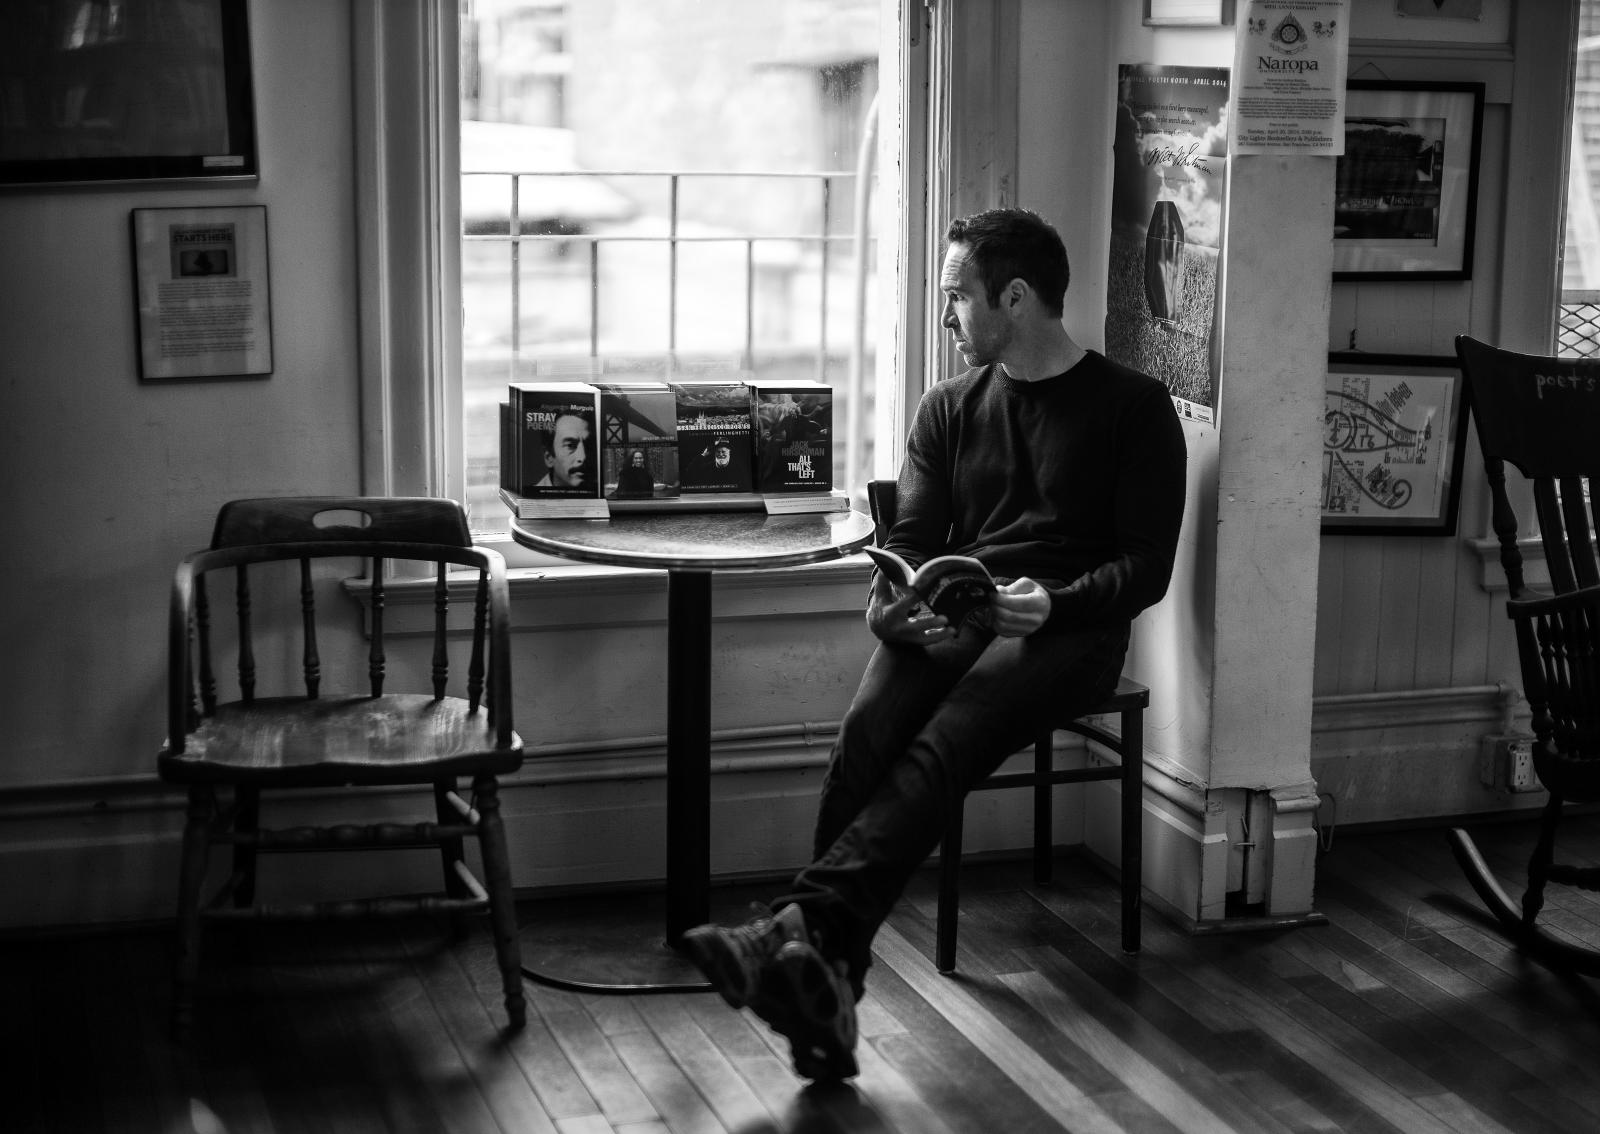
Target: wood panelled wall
[[1409, 612], [1415, 660]]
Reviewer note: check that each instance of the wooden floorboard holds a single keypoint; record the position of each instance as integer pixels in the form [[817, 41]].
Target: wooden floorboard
[[1408, 1013]]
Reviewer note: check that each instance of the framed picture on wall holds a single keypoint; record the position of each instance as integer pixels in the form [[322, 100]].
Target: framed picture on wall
[[1393, 430], [117, 91], [203, 292], [1406, 188], [1187, 13]]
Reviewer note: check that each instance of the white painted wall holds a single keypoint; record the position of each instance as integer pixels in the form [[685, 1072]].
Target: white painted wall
[[109, 480]]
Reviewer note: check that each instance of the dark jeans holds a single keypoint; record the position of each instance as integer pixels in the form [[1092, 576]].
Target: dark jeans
[[925, 726]]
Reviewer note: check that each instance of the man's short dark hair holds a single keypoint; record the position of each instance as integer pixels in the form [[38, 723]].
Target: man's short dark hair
[[1009, 244]]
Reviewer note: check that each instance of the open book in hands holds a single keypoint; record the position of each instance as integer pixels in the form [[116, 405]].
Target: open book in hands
[[953, 586]]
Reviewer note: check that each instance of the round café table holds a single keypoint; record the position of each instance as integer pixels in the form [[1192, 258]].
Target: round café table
[[618, 944]]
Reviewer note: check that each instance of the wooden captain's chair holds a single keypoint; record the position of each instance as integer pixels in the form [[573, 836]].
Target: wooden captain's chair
[[1127, 703], [313, 737], [1542, 416]]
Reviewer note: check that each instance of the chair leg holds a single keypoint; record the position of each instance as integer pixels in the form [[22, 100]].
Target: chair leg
[[1132, 826], [502, 903], [191, 877], [1539, 862], [451, 851], [1043, 794], [246, 821], [944, 939]]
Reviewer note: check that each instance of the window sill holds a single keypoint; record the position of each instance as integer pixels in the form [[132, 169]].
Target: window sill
[[567, 596]]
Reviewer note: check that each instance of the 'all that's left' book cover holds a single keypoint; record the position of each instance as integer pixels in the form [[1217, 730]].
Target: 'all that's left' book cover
[[555, 435], [793, 427]]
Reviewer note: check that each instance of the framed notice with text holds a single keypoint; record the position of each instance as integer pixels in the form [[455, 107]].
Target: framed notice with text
[[203, 292], [1393, 431], [121, 92], [1406, 190]]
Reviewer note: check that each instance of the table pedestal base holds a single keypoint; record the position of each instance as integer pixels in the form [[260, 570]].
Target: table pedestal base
[[610, 943]]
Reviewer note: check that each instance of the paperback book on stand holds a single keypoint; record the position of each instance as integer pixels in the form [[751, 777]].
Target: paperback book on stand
[[510, 479], [638, 440], [714, 437], [954, 586], [792, 431], [554, 440]]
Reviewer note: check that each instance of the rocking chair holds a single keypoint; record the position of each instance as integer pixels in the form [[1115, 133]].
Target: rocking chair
[[1542, 415]]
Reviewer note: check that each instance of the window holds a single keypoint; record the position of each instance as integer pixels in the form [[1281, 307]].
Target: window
[[423, 319], [657, 188], [1578, 322]]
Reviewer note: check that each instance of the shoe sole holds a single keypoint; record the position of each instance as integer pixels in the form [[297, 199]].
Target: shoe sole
[[799, 996], [808, 1005]]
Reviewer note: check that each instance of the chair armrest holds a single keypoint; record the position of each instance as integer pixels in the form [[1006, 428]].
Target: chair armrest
[[1545, 606]]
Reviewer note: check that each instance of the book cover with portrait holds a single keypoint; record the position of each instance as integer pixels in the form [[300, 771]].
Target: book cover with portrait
[[714, 437], [555, 434], [638, 440]]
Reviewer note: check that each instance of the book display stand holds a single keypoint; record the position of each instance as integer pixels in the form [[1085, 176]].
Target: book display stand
[[783, 504], [593, 450]]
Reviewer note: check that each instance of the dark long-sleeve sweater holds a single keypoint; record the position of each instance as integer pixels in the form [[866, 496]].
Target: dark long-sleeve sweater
[[1076, 481]]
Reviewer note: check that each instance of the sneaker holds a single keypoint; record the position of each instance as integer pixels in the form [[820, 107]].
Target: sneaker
[[809, 1003], [770, 965], [732, 958]]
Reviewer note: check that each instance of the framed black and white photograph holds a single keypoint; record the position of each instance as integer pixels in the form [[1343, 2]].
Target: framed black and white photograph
[[1188, 13], [117, 91], [1406, 190], [1393, 431], [203, 292]]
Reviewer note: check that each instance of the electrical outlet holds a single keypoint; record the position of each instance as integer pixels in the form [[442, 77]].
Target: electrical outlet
[[1520, 775], [1506, 763]]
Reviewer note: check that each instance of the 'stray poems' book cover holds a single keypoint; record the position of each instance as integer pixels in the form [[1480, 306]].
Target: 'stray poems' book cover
[[555, 439]]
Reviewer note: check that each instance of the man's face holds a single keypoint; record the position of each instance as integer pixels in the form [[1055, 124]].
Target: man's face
[[638, 460], [568, 459], [721, 456], [981, 332]]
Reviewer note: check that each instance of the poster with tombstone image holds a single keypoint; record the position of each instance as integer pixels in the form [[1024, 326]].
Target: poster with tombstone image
[[1169, 180]]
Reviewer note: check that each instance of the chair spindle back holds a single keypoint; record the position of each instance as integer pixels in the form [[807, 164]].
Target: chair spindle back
[[253, 532], [1541, 415]]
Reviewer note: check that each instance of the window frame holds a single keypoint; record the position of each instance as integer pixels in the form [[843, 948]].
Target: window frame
[[406, 94]]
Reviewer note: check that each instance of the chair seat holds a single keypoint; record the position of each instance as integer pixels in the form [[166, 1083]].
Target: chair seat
[[1578, 776], [397, 738], [1128, 694]]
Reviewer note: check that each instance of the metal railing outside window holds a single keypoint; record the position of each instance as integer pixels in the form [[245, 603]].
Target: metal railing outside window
[[571, 263], [1578, 325]]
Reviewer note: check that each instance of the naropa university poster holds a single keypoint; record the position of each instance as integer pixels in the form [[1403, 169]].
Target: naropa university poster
[[1171, 174]]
